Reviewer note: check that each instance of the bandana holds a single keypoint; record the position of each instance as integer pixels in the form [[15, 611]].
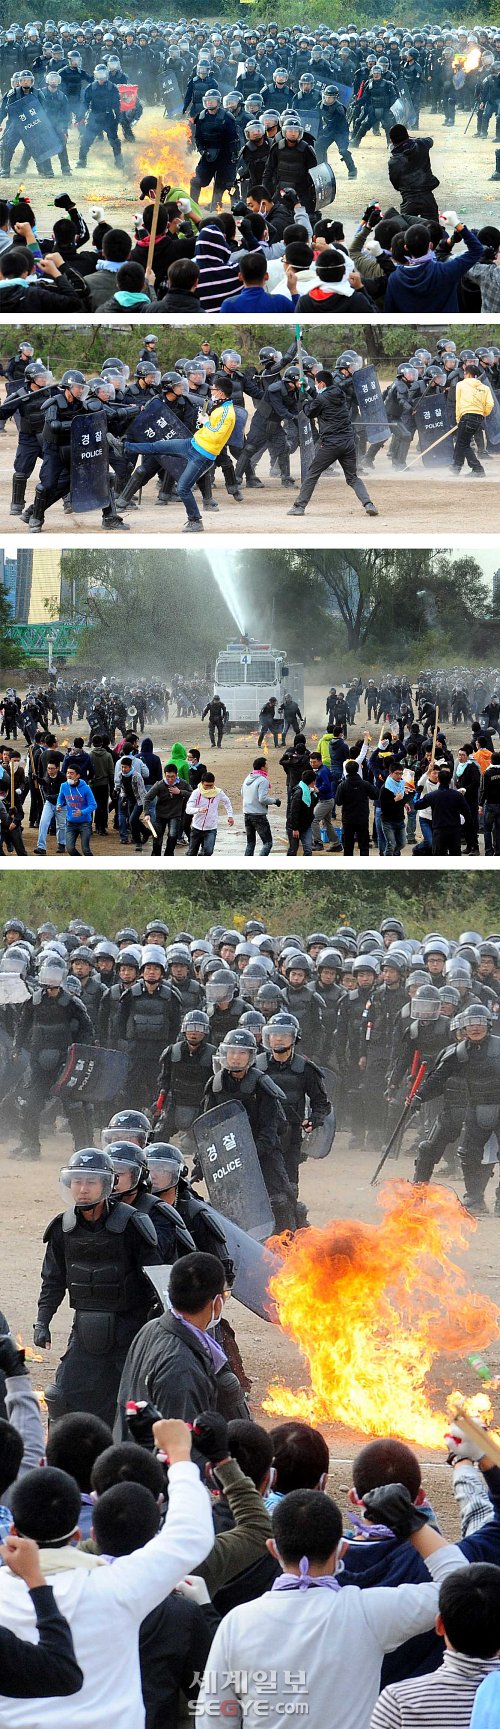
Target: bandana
[[394, 785], [306, 791], [304, 1581]]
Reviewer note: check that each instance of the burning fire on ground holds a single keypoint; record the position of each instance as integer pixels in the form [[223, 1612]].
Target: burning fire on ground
[[373, 1307], [170, 153], [468, 62]]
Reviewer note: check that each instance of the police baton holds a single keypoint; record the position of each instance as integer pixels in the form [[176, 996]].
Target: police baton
[[471, 117], [401, 1121]]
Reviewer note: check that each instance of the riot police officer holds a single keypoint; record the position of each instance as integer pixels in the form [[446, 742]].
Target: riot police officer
[[29, 402], [102, 104], [95, 1252], [306, 1101], [132, 1185], [475, 1060], [237, 1077], [185, 1068], [49, 1022], [149, 1018]]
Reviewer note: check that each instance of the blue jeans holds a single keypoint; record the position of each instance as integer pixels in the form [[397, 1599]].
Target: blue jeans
[[73, 830], [128, 817], [395, 836], [49, 813], [306, 841], [202, 840], [425, 845], [492, 830], [379, 830], [196, 464]]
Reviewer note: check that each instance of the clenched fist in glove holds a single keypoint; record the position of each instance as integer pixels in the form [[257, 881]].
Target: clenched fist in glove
[[11, 1356], [392, 1505], [41, 1336], [210, 1437]]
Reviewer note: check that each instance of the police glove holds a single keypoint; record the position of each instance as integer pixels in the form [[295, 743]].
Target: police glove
[[211, 1437], [41, 1335], [11, 1356], [392, 1505]]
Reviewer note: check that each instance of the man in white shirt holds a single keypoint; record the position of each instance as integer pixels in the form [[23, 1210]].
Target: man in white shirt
[[103, 1605], [203, 806], [308, 1642]]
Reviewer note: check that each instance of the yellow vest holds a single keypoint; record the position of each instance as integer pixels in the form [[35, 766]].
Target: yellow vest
[[216, 430]]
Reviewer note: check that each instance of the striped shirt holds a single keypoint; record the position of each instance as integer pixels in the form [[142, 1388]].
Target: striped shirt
[[219, 270], [443, 1700]]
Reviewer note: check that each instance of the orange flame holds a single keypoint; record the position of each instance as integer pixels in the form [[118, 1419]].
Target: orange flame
[[470, 61], [30, 1355], [168, 152], [371, 1308]]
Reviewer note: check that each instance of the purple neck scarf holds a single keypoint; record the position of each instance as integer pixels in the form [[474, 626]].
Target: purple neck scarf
[[379, 1532], [304, 1581], [215, 1351]]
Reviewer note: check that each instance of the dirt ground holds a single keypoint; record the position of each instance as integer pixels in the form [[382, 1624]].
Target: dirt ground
[[339, 1187], [463, 172], [411, 503], [230, 765]]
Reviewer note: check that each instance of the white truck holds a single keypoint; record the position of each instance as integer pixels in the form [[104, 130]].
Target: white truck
[[248, 672]]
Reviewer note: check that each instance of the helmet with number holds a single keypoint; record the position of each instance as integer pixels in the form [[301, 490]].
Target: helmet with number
[[153, 956], [127, 1125], [165, 1166], [196, 1022], [238, 1050], [87, 1180], [427, 1004]]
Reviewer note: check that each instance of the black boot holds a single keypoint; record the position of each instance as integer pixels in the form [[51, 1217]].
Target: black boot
[[350, 165], [132, 485], [19, 484], [37, 515], [496, 175]]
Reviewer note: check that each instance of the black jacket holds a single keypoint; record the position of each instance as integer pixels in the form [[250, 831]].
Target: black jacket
[[48, 1669], [410, 172], [331, 411], [169, 1365]]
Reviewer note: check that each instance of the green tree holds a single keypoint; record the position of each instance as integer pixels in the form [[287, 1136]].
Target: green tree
[[9, 652]]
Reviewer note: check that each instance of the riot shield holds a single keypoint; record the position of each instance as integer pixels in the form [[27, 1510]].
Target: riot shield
[[157, 420], [89, 462], [306, 445], [34, 129], [345, 93], [92, 1073], [492, 425], [318, 1144], [371, 405], [254, 1267], [325, 185], [231, 1169], [432, 421]]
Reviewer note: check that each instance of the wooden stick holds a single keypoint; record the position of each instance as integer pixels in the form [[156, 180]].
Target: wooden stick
[[474, 1432], [12, 785], [434, 739], [154, 224], [433, 446]]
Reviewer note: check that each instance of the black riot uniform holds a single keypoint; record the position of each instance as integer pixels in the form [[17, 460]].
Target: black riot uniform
[[477, 1067], [183, 1077], [98, 1263], [29, 404], [46, 1028], [302, 1083], [147, 1022], [264, 1107]]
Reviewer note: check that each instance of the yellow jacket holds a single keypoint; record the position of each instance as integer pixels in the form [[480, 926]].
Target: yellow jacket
[[215, 430], [324, 747], [473, 397]]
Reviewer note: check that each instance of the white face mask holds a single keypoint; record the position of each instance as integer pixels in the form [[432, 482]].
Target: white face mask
[[214, 1319]]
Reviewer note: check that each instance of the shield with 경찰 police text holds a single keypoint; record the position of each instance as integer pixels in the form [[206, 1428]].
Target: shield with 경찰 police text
[[89, 462], [371, 405], [231, 1168], [93, 1073], [157, 420], [432, 421], [30, 125], [492, 424]]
